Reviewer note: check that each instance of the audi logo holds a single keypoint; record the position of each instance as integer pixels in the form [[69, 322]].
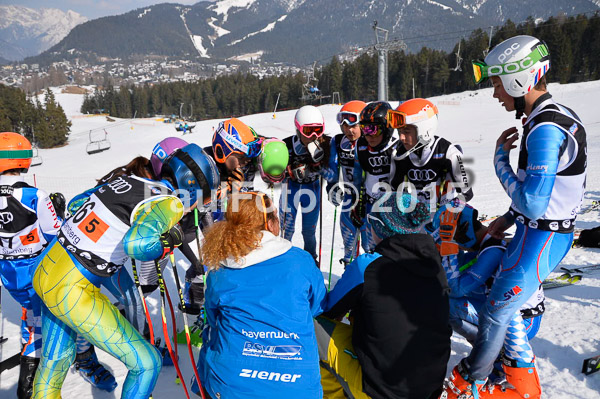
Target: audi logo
[[382, 160], [421, 175]]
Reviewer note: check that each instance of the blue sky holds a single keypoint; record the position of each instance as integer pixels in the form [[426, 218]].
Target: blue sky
[[93, 8]]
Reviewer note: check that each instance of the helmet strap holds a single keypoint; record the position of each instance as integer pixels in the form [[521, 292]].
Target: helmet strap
[[519, 106]]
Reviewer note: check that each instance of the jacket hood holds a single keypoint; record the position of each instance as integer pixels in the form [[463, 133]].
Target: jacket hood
[[271, 246], [410, 250]]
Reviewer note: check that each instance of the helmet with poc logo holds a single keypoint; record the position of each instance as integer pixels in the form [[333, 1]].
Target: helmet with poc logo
[[520, 62], [162, 150]]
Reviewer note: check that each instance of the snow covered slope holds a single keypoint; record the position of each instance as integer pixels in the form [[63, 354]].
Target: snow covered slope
[[570, 328]]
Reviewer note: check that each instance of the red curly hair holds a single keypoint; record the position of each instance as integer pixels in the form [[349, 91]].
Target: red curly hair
[[235, 237]]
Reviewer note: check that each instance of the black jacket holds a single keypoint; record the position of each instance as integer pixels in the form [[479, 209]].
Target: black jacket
[[399, 302]]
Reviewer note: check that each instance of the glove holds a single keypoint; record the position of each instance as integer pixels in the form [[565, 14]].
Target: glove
[[297, 172], [335, 194], [235, 180], [358, 213], [171, 240], [59, 203], [448, 225]]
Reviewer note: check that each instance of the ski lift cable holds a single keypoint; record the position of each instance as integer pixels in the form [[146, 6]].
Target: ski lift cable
[[452, 35]]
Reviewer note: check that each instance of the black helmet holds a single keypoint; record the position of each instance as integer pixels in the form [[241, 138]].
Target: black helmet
[[376, 113]]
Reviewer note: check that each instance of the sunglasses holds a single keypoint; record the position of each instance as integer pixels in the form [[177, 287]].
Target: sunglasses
[[482, 71], [371, 130], [349, 118]]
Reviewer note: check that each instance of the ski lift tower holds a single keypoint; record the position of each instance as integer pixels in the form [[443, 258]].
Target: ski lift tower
[[383, 45]]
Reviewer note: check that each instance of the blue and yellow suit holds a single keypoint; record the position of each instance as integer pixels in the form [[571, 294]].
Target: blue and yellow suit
[[110, 223]]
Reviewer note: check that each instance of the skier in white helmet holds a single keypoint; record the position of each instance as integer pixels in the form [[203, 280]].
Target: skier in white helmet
[[308, 157], [546, 192]]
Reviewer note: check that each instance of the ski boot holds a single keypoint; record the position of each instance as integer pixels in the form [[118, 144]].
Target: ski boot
[[195, 331], [522, 381], [461, 385], [93, 371], [164, 353], [345, 262], [193, 295], [26, 374]]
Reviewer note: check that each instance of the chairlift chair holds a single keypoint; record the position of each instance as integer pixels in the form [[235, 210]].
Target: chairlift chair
[[99, 144]]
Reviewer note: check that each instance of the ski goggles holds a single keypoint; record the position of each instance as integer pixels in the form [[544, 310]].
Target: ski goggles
[[349, 118], [482, 71], [311, 131], [264, 209], [370, 129], [396, 119]]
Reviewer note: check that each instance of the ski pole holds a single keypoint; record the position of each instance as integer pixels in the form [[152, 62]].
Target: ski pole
[[185, 323], [197, 225], [285, 201], [144, 305], [320, 218], [161, 284], [2, 339], [172, 311], [332, 242]]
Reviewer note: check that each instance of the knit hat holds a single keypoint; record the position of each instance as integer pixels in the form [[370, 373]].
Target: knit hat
[[399, 214]]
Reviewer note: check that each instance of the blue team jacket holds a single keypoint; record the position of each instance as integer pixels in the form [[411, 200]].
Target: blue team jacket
[[261, 342]]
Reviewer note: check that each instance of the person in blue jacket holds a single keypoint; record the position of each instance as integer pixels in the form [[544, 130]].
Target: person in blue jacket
[[546, 193], [261, 297]]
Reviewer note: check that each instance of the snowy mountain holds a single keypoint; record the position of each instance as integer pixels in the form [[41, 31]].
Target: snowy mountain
[[25, 32], [296, 31]]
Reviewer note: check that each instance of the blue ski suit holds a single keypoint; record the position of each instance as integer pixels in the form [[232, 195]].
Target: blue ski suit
[[546, 194]]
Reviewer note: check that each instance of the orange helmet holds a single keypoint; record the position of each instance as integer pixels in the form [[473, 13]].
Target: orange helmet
[[423, 115], [234, 136], [15, 152]]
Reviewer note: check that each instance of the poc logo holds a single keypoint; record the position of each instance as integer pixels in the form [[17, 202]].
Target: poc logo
[[159, 152], [382, 160], [270, 376], [506, 53]]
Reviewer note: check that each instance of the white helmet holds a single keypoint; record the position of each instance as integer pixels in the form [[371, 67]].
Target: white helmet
[[423, 115], [309, 121], [520, 62]]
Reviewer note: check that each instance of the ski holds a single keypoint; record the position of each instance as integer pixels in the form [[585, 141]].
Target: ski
[[582, 270], [591, 365], [563, 280], [593, 206], [11, 362]]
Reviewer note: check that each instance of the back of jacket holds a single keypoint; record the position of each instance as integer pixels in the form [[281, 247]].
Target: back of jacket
[[261, 341], [401, 317]]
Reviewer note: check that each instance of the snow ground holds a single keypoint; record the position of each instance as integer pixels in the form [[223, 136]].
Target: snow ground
[[571, 325]]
